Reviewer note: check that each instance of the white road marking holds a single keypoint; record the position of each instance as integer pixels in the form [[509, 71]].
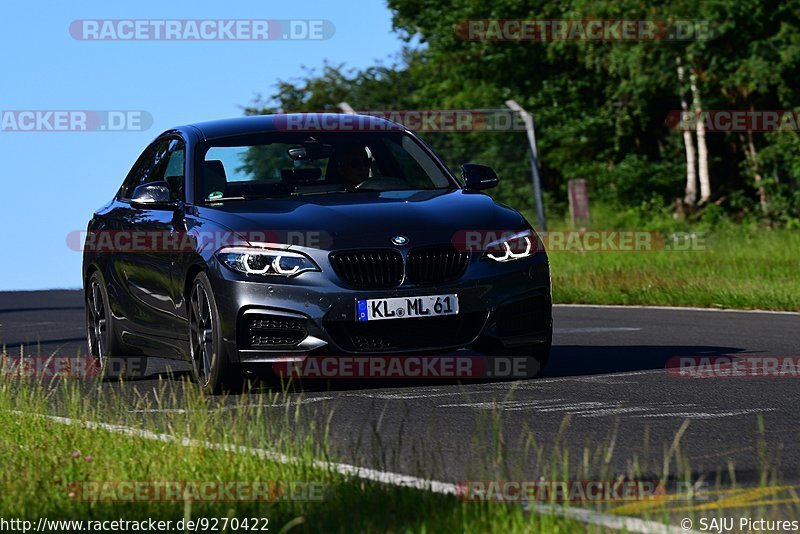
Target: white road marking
[[509, 405], [578, 407], [621, 410], [706, 415], [413, 395], [672, 308], [609, 412], [592, 409], [600, 379], [630, 524], [595, 329], [532, 384], [307, 400]]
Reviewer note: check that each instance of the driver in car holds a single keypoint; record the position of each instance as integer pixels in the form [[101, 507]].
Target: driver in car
[[353, 165]]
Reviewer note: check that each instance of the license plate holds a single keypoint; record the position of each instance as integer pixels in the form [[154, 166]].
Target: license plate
[[406, 307]]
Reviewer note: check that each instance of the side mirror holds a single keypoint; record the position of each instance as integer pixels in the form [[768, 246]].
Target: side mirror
[[153, 196], [478, 177]]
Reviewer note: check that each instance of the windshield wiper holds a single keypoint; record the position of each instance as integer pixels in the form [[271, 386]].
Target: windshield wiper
[[310, 193], [242, 197], [223, 199]]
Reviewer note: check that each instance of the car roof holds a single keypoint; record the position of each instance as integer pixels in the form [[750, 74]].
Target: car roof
[[300, 122]]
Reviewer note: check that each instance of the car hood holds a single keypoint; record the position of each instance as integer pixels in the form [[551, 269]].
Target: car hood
[[370, 219]]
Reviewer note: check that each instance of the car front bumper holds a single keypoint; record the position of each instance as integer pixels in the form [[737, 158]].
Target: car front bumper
[[502, 307]]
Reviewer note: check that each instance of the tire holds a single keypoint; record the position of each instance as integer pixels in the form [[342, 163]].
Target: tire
[[541, 354], [210, 366], [105, 353], [536, 358]]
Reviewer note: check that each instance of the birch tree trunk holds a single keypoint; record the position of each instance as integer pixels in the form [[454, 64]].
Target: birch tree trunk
[[690, 191], [702, 149]]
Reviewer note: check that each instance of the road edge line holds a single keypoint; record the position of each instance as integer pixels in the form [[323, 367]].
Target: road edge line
[[674, 308], [631, 524]]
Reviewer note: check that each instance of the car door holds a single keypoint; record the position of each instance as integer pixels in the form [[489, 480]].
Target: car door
[[145, 265]]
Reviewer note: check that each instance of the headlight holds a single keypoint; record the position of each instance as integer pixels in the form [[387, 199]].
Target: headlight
[[264, 261], [513, 247]]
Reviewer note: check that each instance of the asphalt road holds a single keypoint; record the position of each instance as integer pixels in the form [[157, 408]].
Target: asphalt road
[[606, 384]]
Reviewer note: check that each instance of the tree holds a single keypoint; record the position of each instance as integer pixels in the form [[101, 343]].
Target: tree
[[690, 192], [600, 106]]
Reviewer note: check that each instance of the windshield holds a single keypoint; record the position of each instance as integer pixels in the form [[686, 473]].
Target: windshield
[[301, 164]]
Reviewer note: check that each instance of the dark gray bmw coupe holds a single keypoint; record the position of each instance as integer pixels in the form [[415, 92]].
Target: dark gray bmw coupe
[[238, 243]]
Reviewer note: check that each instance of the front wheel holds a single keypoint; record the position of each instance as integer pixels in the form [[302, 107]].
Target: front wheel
[[522, 362], [210, 367], [541, 354]]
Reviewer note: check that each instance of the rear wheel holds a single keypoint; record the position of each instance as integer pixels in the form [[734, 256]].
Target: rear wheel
[[104, 349], [210, 366]]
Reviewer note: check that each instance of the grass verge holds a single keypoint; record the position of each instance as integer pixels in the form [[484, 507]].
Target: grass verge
[[726, 266], [62, 471], [48, 466]]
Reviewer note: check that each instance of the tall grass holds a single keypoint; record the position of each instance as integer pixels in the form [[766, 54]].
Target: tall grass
[[42, 458]]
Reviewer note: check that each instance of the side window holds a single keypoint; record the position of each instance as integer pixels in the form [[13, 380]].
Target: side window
[[171, 169], [401, 164], [414, 165], [161, 161], [143, 169]]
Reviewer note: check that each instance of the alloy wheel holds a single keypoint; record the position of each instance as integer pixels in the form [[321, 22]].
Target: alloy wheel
[[201, 334], [98, 322]]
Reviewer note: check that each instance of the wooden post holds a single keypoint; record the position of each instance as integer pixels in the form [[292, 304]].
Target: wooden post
[[578, 202]]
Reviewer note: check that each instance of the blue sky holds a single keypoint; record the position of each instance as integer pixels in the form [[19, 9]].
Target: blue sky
[[53, 181]]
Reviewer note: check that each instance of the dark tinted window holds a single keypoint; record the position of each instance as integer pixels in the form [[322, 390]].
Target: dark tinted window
[[170, 169], [162, 161], [270, 165]]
